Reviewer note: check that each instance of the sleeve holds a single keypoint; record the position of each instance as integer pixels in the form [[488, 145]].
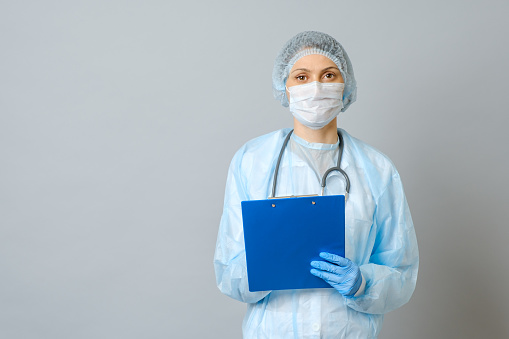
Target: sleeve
[[230, 255], [391, 273]]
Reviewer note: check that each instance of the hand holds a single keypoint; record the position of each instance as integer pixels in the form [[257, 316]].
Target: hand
[[341, 273]]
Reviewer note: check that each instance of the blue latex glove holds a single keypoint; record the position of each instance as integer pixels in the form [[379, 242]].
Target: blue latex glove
[[341, 273]]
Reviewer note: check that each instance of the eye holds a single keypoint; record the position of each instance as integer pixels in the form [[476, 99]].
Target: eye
[[330, 75], [300, 77]]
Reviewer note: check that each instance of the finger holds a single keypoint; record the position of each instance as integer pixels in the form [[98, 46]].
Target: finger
[[326, 266], [328, 277], [334, 258]]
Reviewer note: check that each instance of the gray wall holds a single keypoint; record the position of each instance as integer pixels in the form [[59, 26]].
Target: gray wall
[[118, 120]]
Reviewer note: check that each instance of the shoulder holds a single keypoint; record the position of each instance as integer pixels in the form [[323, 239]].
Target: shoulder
[[265, 140], [260, 149], [364, 151], [262, 144], [377, 167]]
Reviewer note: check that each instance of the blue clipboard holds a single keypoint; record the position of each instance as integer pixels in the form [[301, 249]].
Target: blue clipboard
[[283, 235]]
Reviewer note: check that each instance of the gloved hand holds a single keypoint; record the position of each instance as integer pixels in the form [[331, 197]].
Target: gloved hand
[[341, 273]]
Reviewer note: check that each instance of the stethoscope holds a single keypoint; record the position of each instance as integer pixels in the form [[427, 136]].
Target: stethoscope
[[324, 178]]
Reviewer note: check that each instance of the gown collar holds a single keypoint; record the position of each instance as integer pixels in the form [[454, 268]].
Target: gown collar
[[314, 145]]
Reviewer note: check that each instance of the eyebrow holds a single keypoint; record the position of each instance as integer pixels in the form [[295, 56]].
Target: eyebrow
[[307, 70]]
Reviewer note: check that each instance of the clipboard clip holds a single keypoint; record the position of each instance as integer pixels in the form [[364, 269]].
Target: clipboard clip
[[305, 195], [295, 196]]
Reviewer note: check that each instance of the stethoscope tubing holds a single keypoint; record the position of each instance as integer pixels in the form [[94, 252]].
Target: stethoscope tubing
[[326, 174]]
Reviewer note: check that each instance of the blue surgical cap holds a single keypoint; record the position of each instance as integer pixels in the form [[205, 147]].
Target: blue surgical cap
[[306, 43]]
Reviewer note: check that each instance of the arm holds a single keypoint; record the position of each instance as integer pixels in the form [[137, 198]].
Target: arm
[[391, 273], [230, 255]]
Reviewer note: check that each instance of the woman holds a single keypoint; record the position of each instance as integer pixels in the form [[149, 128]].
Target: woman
[[314, 77]]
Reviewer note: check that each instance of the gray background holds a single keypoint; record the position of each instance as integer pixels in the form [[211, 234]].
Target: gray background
[[118, 120]]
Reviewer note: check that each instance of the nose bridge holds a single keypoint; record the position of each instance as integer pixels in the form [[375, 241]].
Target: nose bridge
[[315, 76]]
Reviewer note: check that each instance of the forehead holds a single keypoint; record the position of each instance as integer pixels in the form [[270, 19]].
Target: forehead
[[313, 62]]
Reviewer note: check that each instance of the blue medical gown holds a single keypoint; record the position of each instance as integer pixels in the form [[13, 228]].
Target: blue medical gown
[[379, 237]]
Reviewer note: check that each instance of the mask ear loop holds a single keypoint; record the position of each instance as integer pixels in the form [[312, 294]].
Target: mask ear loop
[[338, 168]]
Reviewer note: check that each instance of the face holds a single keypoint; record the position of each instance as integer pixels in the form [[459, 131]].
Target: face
[[314, 67]]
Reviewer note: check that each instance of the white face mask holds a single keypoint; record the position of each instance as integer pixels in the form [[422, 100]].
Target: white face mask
[[316, 104]]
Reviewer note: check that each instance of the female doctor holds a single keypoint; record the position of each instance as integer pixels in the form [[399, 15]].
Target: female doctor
[[314, 77]]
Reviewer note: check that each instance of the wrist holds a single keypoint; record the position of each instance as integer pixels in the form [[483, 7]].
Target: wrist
[[362, 287]]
